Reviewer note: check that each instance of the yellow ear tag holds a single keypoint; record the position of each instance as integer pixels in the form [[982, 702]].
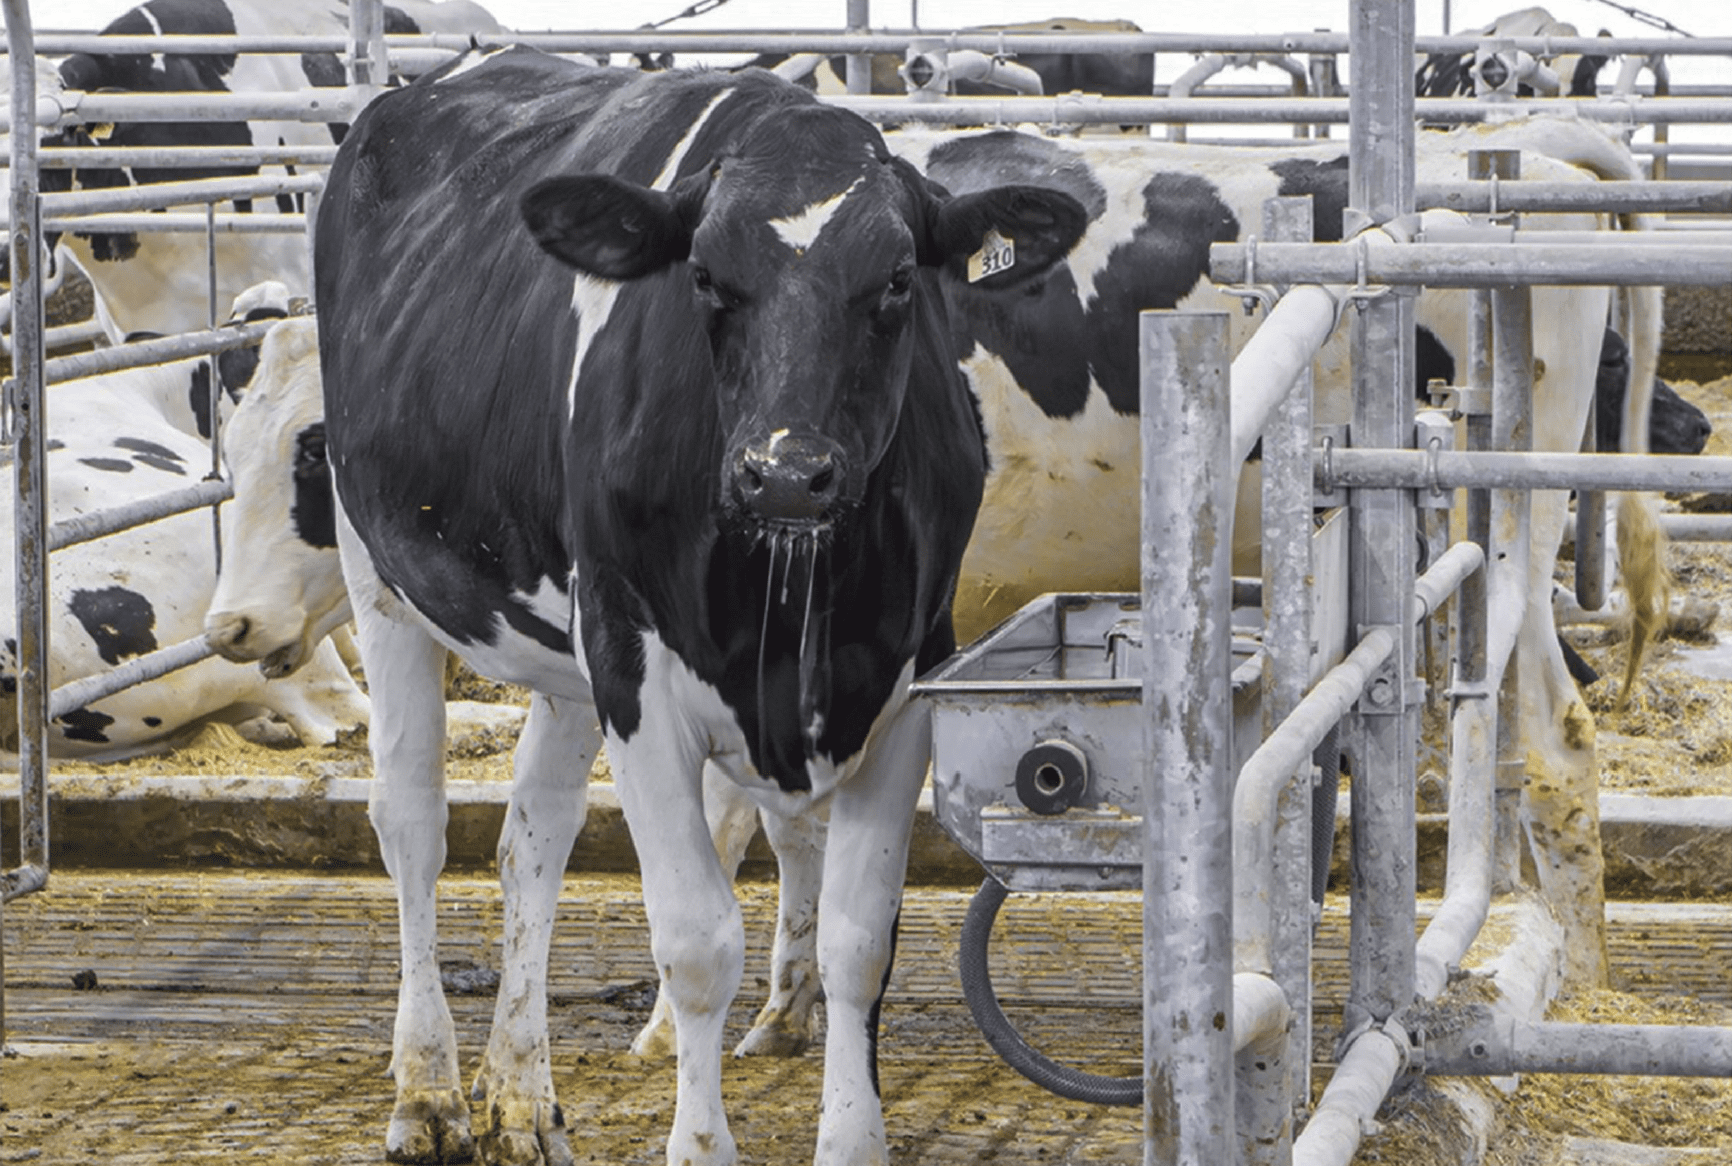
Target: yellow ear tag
[[101, 133], [996, 254]]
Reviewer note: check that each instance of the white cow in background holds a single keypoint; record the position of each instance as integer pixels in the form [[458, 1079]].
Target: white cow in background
[[118, 438]]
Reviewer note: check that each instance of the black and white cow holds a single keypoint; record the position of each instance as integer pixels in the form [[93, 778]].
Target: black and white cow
[[638, 393], [1674, 424], [118, 438], [158, 281]]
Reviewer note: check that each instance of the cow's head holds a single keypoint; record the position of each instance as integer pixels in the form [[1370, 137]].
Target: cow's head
[[281, 587], [806, 254]]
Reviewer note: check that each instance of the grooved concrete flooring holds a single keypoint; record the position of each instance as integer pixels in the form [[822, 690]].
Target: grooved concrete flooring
[[247, 1016]]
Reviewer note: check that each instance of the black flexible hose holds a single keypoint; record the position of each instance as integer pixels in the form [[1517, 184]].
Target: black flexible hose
[[995, 1026]]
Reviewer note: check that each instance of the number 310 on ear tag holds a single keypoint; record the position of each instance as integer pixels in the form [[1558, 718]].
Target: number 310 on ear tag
[[996, 254]]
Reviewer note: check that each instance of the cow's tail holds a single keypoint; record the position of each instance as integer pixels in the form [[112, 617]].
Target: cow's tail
[[1641, 541]]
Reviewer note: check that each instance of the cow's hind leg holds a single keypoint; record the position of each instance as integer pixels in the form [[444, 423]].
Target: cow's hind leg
[[783, 1027], [548, 799], [866, 856], [406, 670]]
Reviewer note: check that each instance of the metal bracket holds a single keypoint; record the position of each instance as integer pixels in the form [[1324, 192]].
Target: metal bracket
[[1329, 438], [1462, 400]]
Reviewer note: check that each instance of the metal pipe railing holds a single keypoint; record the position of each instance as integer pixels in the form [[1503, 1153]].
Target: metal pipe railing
[[165, 194], [1291, 744], [183, 223], [836, 42], [25, 424], [1468, 265], [1410, 469], [101, 523], [1188, 1082], [142, 352], [90, 689]]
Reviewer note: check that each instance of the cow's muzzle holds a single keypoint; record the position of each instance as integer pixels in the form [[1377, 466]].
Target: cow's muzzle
[[789, 480]]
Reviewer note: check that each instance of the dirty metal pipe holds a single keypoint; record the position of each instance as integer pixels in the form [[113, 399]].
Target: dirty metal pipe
[[1267, 1089], [1512, 427], [1291, 744], [968, 65], [1278, 352], [101, 523], [1612, 259], [181, 223], [160, 351], [1406, 469], [80, 693], [1636, 1050], [183, 157], [1188, 1096], [1384, 726], [1187, 82], [1360, 1083], [30, 485], [1468, 881], [859, 64], [1612, 197], [165, 194]]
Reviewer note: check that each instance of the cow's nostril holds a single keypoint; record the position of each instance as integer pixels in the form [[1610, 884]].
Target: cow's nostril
[[823, 483]]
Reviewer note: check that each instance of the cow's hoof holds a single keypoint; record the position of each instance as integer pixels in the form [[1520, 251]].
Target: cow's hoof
[[655, 1040], [774, 1038], [516, 1147], [430, 1127]]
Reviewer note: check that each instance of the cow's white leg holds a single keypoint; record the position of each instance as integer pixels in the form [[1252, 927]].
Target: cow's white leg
[[406, 670], [696, 934], [733, 820], [865, 859], [783, 1027], [548, 802]]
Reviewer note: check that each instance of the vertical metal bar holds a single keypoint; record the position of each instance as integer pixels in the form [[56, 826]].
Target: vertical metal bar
[[369, 67], [859, 67], [1512, 429], [1385, 726], [31, 550], [1187, 767], [1271, 1089], [1487, 520], [214, 375]]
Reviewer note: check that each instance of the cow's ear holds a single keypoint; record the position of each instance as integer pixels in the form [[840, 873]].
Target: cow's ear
[[609, 228], [1003, 236]]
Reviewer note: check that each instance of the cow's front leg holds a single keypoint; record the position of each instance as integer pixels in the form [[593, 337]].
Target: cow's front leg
[[406, 674], [733, 820], [783, 1027], [696, 934], [550, 785], [866, 856]]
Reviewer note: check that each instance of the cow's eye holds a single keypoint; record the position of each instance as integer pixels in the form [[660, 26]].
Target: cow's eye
[[310, 453], [719, 295], [901, 282]]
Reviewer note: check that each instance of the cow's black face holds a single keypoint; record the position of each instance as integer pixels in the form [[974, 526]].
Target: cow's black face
[[803, 251]]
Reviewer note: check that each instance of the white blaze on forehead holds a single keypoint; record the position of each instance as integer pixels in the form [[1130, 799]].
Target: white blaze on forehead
[[592, 299], [801, 230]]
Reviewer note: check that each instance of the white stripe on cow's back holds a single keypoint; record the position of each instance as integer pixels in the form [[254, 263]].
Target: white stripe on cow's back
[[801, 230], [156, 30], [474, 59], [592, 299], [669, 172]]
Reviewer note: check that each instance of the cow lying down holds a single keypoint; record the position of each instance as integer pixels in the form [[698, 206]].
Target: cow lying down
[[114, 439]]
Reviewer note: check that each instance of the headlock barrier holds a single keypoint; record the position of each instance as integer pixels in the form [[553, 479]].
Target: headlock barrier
[[1225, 848]]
